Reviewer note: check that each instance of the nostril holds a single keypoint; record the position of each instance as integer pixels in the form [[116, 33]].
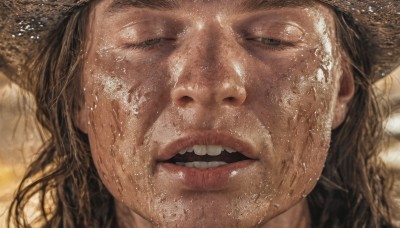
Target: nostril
[[231, 94], [229, 100], [235, 101], [184, 100]]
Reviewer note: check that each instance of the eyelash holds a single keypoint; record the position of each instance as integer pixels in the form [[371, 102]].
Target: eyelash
[[270, 43], [147, 44], [273, 44]]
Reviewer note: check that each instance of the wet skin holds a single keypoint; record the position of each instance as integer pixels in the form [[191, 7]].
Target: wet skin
[[267, 81]]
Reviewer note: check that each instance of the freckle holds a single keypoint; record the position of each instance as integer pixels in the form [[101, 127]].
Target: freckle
[[281, 183], [284, 164], [293, 179]]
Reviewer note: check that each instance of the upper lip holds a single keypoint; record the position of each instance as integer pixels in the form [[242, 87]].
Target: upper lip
[[206, 138]]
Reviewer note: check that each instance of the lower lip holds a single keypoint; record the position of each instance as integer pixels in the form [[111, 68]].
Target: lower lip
[[205, 179]]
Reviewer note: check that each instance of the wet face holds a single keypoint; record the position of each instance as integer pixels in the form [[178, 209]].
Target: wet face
[[211, 113]]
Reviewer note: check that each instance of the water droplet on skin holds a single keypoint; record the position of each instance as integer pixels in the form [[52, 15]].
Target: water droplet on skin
[[320, 75], [303, 194], [304, 167], [255, 197], [233, 173]]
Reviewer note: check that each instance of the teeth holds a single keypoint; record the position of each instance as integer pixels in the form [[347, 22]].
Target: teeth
[[200, 150], [214, 150], [229, 150], [216, 164], [211, 150], [202, 165]]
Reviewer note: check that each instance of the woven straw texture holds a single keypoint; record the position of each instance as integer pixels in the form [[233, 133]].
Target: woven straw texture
[[25, 23]]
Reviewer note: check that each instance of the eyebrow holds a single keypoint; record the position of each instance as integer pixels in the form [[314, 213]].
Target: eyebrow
[[119, 5], [265, 4]]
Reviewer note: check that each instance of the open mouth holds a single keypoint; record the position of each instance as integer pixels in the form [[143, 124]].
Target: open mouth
[[207, 156]]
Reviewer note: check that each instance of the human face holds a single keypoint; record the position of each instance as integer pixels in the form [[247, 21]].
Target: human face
[[263, 80]]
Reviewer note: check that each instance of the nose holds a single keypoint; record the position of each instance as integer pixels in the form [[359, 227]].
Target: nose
[[210, 75], [226, 93]]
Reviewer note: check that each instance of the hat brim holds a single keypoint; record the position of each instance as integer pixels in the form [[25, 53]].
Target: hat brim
[[25, 23]]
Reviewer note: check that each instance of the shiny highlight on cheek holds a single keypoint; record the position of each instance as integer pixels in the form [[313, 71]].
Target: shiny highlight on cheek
[[116, 89], [326, 51]]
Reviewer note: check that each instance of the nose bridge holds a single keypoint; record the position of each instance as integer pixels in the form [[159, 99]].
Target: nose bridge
[[204, 50], [209, 75]]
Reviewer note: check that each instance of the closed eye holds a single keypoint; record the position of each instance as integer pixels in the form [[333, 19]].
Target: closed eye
[[148, 43], [272, 43]]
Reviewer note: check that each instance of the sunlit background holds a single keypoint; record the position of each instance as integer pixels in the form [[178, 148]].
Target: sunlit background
[[19, 138]]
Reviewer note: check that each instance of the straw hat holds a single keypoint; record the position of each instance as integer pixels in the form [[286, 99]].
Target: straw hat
[[24, 23]]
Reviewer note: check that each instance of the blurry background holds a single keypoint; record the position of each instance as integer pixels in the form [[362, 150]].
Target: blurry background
[[19, 138]]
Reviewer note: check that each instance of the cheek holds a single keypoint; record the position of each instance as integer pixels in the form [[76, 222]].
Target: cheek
[[122, 98], [120, 112], [297, 109], [107, 132]]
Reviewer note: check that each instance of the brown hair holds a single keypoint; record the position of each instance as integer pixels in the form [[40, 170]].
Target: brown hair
[[352, 192], [354, 188], [62, 175]]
